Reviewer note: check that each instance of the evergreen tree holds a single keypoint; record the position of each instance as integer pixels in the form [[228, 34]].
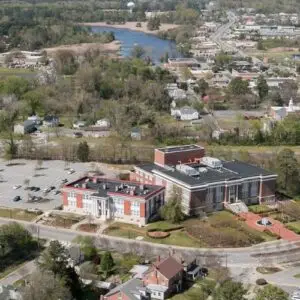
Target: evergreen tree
[[83, 151], [287, 168], [107, 264], [262, 87], [172, 210]]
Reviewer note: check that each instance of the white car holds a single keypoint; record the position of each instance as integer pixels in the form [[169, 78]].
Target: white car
[[71, 171], [15, 187]]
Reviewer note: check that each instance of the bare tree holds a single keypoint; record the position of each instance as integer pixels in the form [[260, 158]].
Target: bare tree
[[45, 286]]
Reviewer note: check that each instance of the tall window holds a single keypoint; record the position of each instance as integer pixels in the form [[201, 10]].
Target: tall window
[[119, 207], [135, 208], [245, 190], [219, 194], [254, 188], [72, 194]]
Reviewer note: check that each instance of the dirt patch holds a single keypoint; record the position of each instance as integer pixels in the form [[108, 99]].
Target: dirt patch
[[283, 49], [267, 270], [158, 234], [132, 26], [80, 49], [88, 227]]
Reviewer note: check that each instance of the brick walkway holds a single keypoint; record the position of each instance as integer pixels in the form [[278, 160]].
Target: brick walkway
[[276, 227]]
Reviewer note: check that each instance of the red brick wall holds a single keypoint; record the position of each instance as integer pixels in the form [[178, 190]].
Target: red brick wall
[[127, 207], [174, 158], [159, 157], [65, 198], [142, 210], [154, 277], [79, 201]]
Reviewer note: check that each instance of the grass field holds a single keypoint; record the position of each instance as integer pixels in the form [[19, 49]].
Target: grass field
[[177, 237], [221, 229], [6, 72], [17, 214]]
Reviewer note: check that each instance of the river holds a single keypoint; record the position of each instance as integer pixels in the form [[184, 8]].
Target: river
[[154, 46]]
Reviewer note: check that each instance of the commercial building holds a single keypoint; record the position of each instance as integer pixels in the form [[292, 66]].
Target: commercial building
[[206, 183], [107, 199]]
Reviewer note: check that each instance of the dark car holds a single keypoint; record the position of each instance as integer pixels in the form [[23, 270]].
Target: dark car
[[52, 188], [36, 189], [17, 198], [77, 135], [32, 188]]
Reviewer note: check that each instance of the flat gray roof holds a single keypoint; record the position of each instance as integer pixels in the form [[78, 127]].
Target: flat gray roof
[[179, 148], [231, 170]]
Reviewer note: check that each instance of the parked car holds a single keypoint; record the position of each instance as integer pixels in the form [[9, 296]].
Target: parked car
[[52, 188], [17, 198], [36, 189], [57, 192], [15, 187], [77, 135], [71, 171]]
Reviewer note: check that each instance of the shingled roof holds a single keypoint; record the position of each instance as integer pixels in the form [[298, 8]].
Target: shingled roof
[[169, 267]]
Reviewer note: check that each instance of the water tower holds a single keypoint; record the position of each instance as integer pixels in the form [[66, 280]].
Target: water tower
[[130, 6]]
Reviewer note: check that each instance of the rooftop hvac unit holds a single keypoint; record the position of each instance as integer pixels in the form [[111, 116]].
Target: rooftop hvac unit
[[187, 170], [202, 170], [211, 162]]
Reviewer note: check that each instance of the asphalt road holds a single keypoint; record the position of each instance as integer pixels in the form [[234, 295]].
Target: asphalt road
[[242, 257], [222, 31]]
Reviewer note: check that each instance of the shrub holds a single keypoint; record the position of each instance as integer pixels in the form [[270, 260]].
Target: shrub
[[291, 227], [166, 229], [272, 234], [261, 281]]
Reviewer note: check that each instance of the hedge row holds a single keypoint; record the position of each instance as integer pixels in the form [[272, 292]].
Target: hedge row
[[166, 230]]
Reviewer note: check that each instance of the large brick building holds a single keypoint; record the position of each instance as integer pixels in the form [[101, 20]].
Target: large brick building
[[207, 184], [106, 199]]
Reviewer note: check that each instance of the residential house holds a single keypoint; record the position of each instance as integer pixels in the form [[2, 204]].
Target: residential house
[[278, 113], [36, 119], [112, 199], [159, 281], [206, 183], [51, 121], [79, 124], [136, 134], [185, 113], [28, 126], [103, 123]]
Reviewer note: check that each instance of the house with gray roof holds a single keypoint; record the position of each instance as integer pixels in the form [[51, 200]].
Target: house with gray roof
[[185, 113]]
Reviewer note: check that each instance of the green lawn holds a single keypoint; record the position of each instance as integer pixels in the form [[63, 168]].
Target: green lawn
[[15, 71], [221, 229], [294, 226], [297, 275], [200, 290], [17, 214], [178, 237]]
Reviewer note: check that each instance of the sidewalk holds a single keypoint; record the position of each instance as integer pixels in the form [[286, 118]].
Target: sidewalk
[[20, 273], [276, 227]]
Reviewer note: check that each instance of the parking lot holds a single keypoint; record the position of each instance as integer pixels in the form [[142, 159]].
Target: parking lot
[[43, 175]]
